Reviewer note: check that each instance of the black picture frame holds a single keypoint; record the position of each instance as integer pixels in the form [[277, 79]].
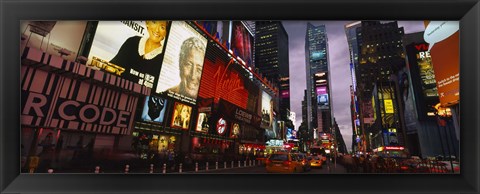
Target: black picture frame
[[12, 12]]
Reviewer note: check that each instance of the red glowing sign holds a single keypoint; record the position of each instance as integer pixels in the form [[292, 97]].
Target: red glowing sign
[[220, 79], [394, 148]]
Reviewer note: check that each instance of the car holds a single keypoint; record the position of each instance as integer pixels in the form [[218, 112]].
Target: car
[[316, 161], [283, 162], [305, 161], [262, 159]]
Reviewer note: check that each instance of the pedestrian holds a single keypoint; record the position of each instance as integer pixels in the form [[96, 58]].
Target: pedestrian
[[171, 159]]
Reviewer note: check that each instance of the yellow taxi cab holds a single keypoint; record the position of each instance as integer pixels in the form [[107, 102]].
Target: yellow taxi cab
[[316, 161], [284, 162]]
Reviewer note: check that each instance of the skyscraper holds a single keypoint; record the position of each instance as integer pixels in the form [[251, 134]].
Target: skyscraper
[[316, 60], [271, 59], [380, 57]]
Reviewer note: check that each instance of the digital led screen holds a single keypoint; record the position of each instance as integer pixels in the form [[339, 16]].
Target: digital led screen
[[322, 97], [154, 109], [223, 78], [291, 134], [181, 116], [183, 63], [317, 55], [133, 50]]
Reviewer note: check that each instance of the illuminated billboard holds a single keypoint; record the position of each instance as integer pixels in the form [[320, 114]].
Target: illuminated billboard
[[203, 123], [223, 78], [221, 126], [421, 69], [242, 42], [154, 109], [285, 94], [267, 111], [317, 55], [183, 63], [444, 47], [181, 116], [322, 97], [291, 134], [235, 130], [130, 49], [368, 112]]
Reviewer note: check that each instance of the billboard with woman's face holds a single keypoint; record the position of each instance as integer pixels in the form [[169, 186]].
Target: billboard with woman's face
[[203, 122], [181, 116], [183, 63], [130, 49]]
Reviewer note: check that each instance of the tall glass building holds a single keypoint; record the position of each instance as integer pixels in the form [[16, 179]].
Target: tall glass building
[[318, 91]]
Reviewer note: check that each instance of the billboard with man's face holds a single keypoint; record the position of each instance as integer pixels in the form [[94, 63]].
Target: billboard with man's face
[[130, 49], [183, 63]]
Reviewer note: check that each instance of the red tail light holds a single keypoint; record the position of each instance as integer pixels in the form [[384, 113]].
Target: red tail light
[[404, 167], [287, 163]]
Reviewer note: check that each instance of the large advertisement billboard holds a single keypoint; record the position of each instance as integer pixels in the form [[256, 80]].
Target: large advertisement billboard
[[64, 37], [130, 49], [154, 109], [322, 97], [55, 101], [183, 63], [181, 116], [444, 47], [242, 42], [368, 112], [267, 111], [223, 78]]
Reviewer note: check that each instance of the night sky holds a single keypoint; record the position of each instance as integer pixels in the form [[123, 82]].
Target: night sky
[[339, 68]]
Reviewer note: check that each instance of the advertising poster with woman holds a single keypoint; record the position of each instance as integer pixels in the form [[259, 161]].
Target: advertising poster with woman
[[183, 63], [130, 49], [181, 116]]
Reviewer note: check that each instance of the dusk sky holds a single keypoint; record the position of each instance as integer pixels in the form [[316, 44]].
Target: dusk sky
[[339, 68]]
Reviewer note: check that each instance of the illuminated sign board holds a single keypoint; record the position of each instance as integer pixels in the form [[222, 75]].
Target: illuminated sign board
[[134, 51], [181, 116], [183, 63], [221, 126], [444, 47], [223, 79], [267, 111], [235, 130], [322, 97], [388, 106], [203, 123], [154, 109], [242, 42]]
